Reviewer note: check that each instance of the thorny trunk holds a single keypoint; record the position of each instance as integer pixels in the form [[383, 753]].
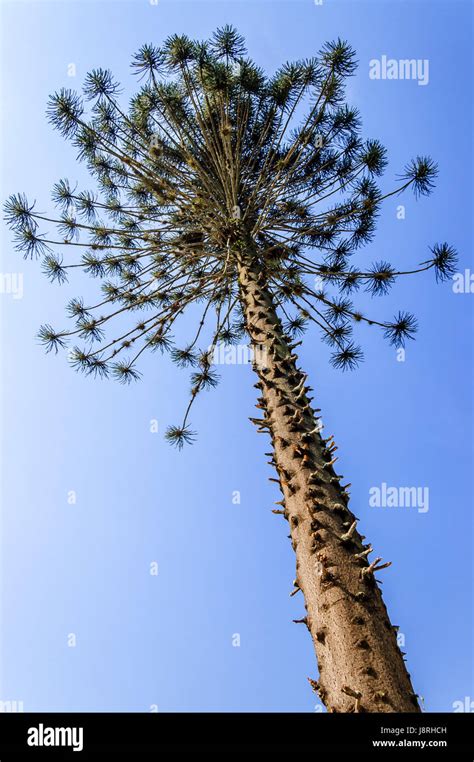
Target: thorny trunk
[[361, 668]]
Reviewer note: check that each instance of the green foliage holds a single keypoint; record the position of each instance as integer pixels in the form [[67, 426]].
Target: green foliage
[[212, 165], [179, 436]]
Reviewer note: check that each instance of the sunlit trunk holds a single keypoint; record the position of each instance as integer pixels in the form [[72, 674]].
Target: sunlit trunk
[[361, 668]]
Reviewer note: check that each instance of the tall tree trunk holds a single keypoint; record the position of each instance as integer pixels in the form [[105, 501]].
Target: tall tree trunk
[[361, 668]]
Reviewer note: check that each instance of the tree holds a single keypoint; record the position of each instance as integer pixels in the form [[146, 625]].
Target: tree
[[248, 196]]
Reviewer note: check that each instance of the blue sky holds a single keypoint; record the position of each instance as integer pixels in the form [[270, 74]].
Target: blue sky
[[83, 567]]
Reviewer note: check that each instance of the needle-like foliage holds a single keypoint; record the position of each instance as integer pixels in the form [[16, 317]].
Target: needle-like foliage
[[211, 155]]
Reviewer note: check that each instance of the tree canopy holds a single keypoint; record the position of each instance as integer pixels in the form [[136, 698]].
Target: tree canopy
[[212, 161]]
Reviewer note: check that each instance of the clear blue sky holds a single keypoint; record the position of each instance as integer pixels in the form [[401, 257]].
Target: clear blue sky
[[223, 568]]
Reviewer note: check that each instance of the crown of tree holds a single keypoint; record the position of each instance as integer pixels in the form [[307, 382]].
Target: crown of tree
[[213, 162]]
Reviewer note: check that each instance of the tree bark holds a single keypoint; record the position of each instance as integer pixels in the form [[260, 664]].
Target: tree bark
[[361, 668]]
